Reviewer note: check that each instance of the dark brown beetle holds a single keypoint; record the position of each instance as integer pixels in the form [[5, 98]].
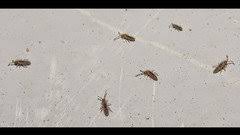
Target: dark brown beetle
[[125, 37], [176, 27], [104, 105], [149, 74], [222, 65], [20, 63]]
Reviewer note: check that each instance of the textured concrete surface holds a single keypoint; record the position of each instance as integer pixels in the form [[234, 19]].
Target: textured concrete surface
[[75, 59]]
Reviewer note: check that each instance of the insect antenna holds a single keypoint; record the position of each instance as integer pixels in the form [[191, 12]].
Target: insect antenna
[[105, 94], [110, 109], [227, 57], [116, 38], [229, 61], [11, 63], [138, 74], [142, 73], [119, 35]]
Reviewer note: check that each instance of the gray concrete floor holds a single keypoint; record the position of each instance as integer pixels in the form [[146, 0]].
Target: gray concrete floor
[[74, 59]]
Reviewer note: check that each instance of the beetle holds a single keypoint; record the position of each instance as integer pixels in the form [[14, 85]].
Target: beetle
[[104, 105], [125, 36], [176, 27], [148, 73], [20, 63], [222, 65]]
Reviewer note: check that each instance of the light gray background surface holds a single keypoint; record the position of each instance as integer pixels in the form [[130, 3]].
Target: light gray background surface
[[75, 60]]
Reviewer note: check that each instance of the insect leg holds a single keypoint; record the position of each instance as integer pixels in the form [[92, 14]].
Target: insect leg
[[170, 26], [155, 73], [109, 109], [99, 98], [125, 40], [230, 62]]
